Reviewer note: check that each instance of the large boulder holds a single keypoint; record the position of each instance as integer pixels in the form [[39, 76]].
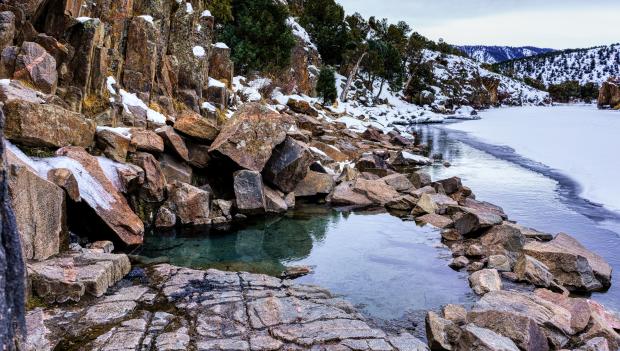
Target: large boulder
[[333, 152], [572, 265], [189, 203], [434, 203], [7, 28], [314, 183], [175, 169], [100, 194], [344, 194], [609, 95], [46, 125], [533, 271], [194, 125], [288, 165], [249, 192], [15, 90], [154, 187], [302, 106], [250, 136], [39, 207], [437, 332], [471, 221], [274, 201], [141, 55], [34, 65], [220, 65], [147, 140], [503, 240], [113, 144]]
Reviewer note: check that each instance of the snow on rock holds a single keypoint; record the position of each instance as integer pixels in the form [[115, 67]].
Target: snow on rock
[[300, 32], [147, 18], [189, 8], [199, 51], [110, 82], [221, 45], [122, 131], [130, 99], [83, 19], [206, 13], [111, 170], [216, 83], [416, 158], [208, 106]]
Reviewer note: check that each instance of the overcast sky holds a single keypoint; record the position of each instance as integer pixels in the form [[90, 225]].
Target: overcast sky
[[557, 24]]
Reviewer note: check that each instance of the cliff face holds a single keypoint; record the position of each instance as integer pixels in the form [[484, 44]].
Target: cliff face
[[609, 95], [161, 50]]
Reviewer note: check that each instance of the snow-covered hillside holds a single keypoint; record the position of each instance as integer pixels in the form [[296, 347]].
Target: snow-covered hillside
[[584, 65], [495, 54]]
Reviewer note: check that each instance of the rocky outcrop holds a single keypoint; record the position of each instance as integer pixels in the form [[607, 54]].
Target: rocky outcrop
[[609, 94], [250, 136], [571, 264], [249, 192], [34, 65], [35, 124], [189, 204], [288, 165]]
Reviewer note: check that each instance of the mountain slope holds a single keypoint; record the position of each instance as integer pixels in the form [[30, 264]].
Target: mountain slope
[[583, 65], [495, 54]]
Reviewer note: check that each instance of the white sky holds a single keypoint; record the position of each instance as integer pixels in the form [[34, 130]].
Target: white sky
[[557, 24]]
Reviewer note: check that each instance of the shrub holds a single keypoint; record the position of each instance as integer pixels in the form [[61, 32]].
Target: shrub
[[326, 86]]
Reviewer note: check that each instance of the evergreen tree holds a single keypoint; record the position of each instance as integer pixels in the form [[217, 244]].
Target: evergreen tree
[[259, 35], [221, 10], [324, 21], [326, 86]]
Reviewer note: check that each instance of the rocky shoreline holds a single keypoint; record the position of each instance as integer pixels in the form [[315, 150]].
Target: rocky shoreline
[[122, 119]]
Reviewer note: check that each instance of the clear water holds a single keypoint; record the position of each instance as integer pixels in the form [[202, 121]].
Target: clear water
[[381, 264], [389, 267]]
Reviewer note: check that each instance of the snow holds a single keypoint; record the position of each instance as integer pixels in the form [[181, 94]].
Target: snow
[[579, 141], [124, 132], [206, 13], [416, 158], [221, 45], [198, 51], [317, 151], [110, 82], [216, 83], [111, 170], [249, 91], [5, 82], [208, 106], [147, 18], [130, 99], [83, 19], [188, 8], [300, 32]]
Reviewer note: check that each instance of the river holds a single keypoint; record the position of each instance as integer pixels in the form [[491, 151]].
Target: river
[[391, 268]]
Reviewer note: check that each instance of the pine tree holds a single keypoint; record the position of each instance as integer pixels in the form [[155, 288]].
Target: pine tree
[[326, 86]]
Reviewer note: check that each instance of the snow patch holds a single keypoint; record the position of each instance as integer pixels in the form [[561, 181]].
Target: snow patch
[[199, 51]]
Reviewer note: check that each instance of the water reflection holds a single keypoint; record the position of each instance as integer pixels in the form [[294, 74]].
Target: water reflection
[[378, 262]]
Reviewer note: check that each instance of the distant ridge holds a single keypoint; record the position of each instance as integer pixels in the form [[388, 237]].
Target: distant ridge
[[495, 54]]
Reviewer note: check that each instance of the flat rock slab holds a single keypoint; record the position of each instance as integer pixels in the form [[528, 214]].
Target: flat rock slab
[[70, 276], [185, 309]]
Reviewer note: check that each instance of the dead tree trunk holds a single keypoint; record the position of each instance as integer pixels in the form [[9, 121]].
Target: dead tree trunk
[[345, 91], [12, 271]]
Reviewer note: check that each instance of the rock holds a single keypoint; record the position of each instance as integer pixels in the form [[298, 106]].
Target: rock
[[46, 125], [482, 206], [459, 262], [345, 195], [71, 275], [398, 181], [533, 271], [420, 179], [451, 235], [602, 324], [220, 64], [189, 203], [274, 202], [302, 106], [408, 159], [165, 218], [609, 94], [194, 125], [455, 313], [173, 141], [578, 308], [434, 203], [38, 335], [39, 207], [294, 272], [154, 187], [102, 246], [596, 344], [485, 281], [481, 339], [141, 55], [503, 240], [530, 321], [63, 178], [288, 165], [7, 28], [376, 191], [249, 192], [530, 233], [113, 145], [571, 264], [475, 266], [472, 221], [15, 90], [437, 332], [250, 136], [425, 190], [221, 207], [313, 184], [103, 197], [374, 134], [34, 65], [436, 220], [451, 185], [372, 163], [147, 141], [175, 169], [402, 203], [333, 152], [499, 262], [474, 250]]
